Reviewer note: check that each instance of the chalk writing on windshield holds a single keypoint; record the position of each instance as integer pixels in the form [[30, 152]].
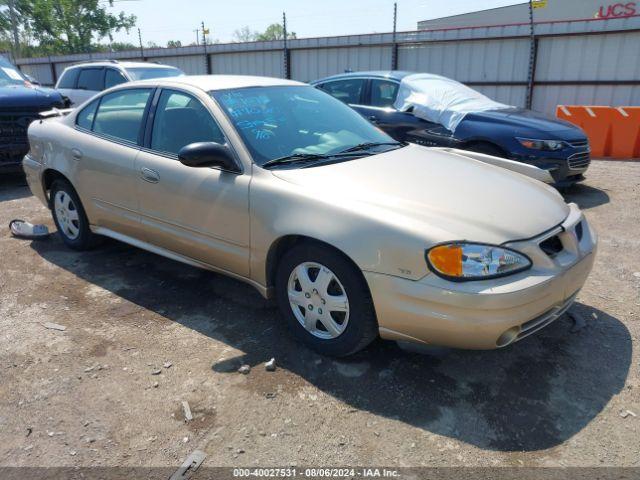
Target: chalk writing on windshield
[[252, 113]]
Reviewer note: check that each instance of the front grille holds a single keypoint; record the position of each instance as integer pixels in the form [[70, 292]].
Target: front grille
[[552, 246], [579, 143], [14, 125], [579, 160], [546, 318]]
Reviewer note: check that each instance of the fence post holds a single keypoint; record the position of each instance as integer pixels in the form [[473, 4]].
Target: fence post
[[52, 67], [533, 57], [394, 47], [286, 56]]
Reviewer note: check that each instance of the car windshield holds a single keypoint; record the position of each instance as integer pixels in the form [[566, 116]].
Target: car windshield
[[145, 73], [296, 121], [9, 75]]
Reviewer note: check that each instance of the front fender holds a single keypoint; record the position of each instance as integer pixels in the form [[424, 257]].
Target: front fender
[[374, 244]]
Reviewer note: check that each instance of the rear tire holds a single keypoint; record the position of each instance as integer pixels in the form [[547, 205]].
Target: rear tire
[[325, 300], [70, 217]]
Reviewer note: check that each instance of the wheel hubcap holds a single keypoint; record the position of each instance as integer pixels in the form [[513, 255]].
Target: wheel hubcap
[[67, 215], [318, 300]]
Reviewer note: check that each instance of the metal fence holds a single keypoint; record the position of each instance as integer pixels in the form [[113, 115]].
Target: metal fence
[[588, 61]]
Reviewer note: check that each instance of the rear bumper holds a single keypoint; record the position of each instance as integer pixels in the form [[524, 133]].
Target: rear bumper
[[484, 315], [33, 173]]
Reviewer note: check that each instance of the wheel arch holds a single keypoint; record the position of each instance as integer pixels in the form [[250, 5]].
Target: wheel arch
[[483, 141], [49, 176], [283, 244]]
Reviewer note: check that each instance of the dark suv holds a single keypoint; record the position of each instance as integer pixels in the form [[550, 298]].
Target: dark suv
[[20, 104], [514, 133]]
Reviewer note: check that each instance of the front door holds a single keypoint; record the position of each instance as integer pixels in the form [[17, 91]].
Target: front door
[[200, 213]]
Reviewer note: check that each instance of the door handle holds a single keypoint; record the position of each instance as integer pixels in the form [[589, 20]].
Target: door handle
[[149, 175], [373, 119], [76, 154]]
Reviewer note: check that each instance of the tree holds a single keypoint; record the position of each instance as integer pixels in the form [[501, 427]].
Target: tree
[[274, 32], [70, 26], [244, 34], [174, 44]]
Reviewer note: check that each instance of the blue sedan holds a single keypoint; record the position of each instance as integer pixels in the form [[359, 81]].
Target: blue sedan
[[508, 132]]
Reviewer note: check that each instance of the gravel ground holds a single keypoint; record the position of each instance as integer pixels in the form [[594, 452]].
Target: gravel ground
[[143, 334]]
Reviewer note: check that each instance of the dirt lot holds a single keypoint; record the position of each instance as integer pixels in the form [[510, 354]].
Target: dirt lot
[[144, 333]]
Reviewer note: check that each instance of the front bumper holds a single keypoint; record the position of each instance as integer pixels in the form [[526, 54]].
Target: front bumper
[[488, 314]]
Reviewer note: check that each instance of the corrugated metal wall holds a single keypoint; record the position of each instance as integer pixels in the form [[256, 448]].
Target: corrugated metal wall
[[577, 62], [307, 65], [266, 63]]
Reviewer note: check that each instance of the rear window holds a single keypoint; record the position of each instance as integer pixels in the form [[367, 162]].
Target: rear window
[[91, 79], [68, 78], [85, 117], [142, 73]]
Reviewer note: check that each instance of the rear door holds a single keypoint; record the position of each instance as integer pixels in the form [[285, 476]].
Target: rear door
[[200, 213], [108, 135]]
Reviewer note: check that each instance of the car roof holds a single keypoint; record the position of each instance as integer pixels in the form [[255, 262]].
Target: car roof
[[389, 74], [109, 63], [219, 82]]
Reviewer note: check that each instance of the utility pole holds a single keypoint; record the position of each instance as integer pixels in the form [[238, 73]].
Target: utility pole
[[394, 48], [14, 28], [204, 35], [533, 47], [287, 63], [141, 47]]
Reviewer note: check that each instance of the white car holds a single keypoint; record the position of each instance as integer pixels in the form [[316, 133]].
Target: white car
[[82, 81]]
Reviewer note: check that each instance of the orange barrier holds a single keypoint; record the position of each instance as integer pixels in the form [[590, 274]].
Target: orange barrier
[[612, 131]]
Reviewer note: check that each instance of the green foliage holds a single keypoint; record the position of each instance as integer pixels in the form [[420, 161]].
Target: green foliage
[[64, 26], [174, 44], [275, 31]]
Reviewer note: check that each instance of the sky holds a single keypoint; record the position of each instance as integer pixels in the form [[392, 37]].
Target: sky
[[164, 20]]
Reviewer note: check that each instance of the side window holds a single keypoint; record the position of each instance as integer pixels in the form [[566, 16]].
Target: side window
[[113, 77], [383, 93], [347, 91], [120, 114], [180, 120], [91, 79], [85, 117], [68, 79]]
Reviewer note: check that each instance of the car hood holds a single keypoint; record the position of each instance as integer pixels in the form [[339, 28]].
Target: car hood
[[529, 120], [440, 195], [19, 96]]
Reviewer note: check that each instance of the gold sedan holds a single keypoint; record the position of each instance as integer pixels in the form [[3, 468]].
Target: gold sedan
[[280, 185]]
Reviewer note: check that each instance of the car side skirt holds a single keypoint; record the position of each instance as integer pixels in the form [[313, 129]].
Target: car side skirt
[[264, 291]]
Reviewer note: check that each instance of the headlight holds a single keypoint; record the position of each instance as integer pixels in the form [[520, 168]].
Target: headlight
[[461, 261], [549, 145]]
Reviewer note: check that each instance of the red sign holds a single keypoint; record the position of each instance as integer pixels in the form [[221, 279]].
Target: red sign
[[617, 10]]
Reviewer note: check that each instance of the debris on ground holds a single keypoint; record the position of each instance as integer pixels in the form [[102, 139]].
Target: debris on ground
[[54, 326], [244, 369], [167, 365], [156, 384], [187, 411], [627, 413], [189, 466], [29, 431], [270, 366], [579, 322], [23, 229], [156, 371]]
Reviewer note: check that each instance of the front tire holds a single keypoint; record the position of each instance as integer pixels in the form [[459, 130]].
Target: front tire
[[69, 216], [325, 300]]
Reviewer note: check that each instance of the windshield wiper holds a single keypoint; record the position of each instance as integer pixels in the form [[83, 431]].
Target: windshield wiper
[[295, 158], [368, 145]]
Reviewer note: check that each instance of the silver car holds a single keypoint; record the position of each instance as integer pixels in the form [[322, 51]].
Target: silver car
[[282, 186]]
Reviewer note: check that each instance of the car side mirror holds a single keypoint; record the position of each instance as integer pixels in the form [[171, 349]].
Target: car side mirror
[[208, 154]]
